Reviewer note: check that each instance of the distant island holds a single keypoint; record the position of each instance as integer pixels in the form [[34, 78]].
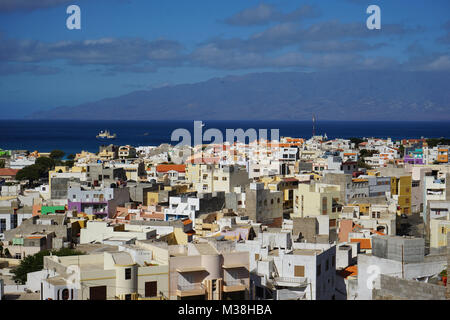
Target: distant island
[[337, 95]]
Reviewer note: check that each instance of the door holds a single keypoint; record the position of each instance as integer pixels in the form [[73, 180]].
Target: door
[[151, 289], [97, 293]]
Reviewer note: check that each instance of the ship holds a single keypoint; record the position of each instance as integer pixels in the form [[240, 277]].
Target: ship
[[106, 135]]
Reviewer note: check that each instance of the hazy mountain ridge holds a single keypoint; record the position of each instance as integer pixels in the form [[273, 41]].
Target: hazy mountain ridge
[[377, 95]]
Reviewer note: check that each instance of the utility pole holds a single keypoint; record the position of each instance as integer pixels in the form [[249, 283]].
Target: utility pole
[[403, 265], [314, 125]]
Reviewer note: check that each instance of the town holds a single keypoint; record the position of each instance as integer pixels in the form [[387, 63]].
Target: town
[[288, 219]]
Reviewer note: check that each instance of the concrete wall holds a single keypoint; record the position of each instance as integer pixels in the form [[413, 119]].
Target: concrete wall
[[370, 268], [392, 288], [263, 205], [308, 227], [400, 249]]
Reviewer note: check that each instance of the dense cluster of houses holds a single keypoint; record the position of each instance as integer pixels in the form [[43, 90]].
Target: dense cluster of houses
[[293, 219]]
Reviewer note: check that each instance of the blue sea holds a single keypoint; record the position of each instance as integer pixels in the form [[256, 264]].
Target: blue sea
[[74, 136]]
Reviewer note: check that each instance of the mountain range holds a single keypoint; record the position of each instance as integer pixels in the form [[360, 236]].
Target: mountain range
[[346, 95]]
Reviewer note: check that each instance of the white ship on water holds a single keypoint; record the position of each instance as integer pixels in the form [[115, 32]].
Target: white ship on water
[[106, 135]]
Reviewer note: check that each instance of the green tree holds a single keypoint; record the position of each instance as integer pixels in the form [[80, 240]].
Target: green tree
[[31, 173], [401, 151], [363, 164], [437, 141], [367, 153], [45, 162], [57, 154], [71, 156], [2, 163], [69, 163], [35, 262], [356, 141]]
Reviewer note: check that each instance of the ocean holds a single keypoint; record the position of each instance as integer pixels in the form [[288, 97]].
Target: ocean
[[74, 136]]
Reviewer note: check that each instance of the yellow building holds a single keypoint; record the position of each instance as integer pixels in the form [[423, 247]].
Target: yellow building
[[374, 173], [164, 192], [64, 172], [364, 208], [316, 199], [285, 185], [401, 190], [439, 228], [443, 155]]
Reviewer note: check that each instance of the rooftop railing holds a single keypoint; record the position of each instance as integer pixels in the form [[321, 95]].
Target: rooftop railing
[[235, 282], [192, 286]]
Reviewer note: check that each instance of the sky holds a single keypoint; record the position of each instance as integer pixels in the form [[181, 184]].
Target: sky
[[129, 45]]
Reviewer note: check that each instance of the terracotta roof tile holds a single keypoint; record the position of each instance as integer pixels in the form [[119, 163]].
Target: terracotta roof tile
[[171, 167], [8, 172]]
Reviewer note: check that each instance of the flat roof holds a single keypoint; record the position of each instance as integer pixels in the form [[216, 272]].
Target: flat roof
[[191, 269], [306, 252], [57, 281], [235, 265]]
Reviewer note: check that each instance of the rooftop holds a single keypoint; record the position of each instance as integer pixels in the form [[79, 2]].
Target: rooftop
[[306, 252]]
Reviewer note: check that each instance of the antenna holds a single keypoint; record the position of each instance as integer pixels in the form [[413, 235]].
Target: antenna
[[314, 125]]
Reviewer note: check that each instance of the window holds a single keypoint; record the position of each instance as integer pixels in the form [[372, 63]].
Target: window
[[151, 289], [333, 261], [324, 205], [17, 256], [299, 271], [128, 297], [65, 294], [271, 201], [327, 265], [224, 178], [257, 256], [319, 269], [2, 225], [259, 292], [127, 273]]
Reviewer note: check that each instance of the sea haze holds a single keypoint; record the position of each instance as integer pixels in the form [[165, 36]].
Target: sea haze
[[72, 136]]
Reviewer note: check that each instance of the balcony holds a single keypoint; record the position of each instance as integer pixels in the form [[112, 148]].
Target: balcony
[[234, 285], [290, 281], [193, 289]]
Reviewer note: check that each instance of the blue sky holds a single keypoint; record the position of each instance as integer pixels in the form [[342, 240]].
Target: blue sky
[[128, 45]]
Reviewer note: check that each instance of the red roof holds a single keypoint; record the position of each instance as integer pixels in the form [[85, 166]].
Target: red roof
[[171, 167], [349, 271], [8, 172], [364, 243], [187, 221]]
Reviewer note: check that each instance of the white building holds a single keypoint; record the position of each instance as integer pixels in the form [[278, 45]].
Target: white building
[[104, 232], [134, 273]]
